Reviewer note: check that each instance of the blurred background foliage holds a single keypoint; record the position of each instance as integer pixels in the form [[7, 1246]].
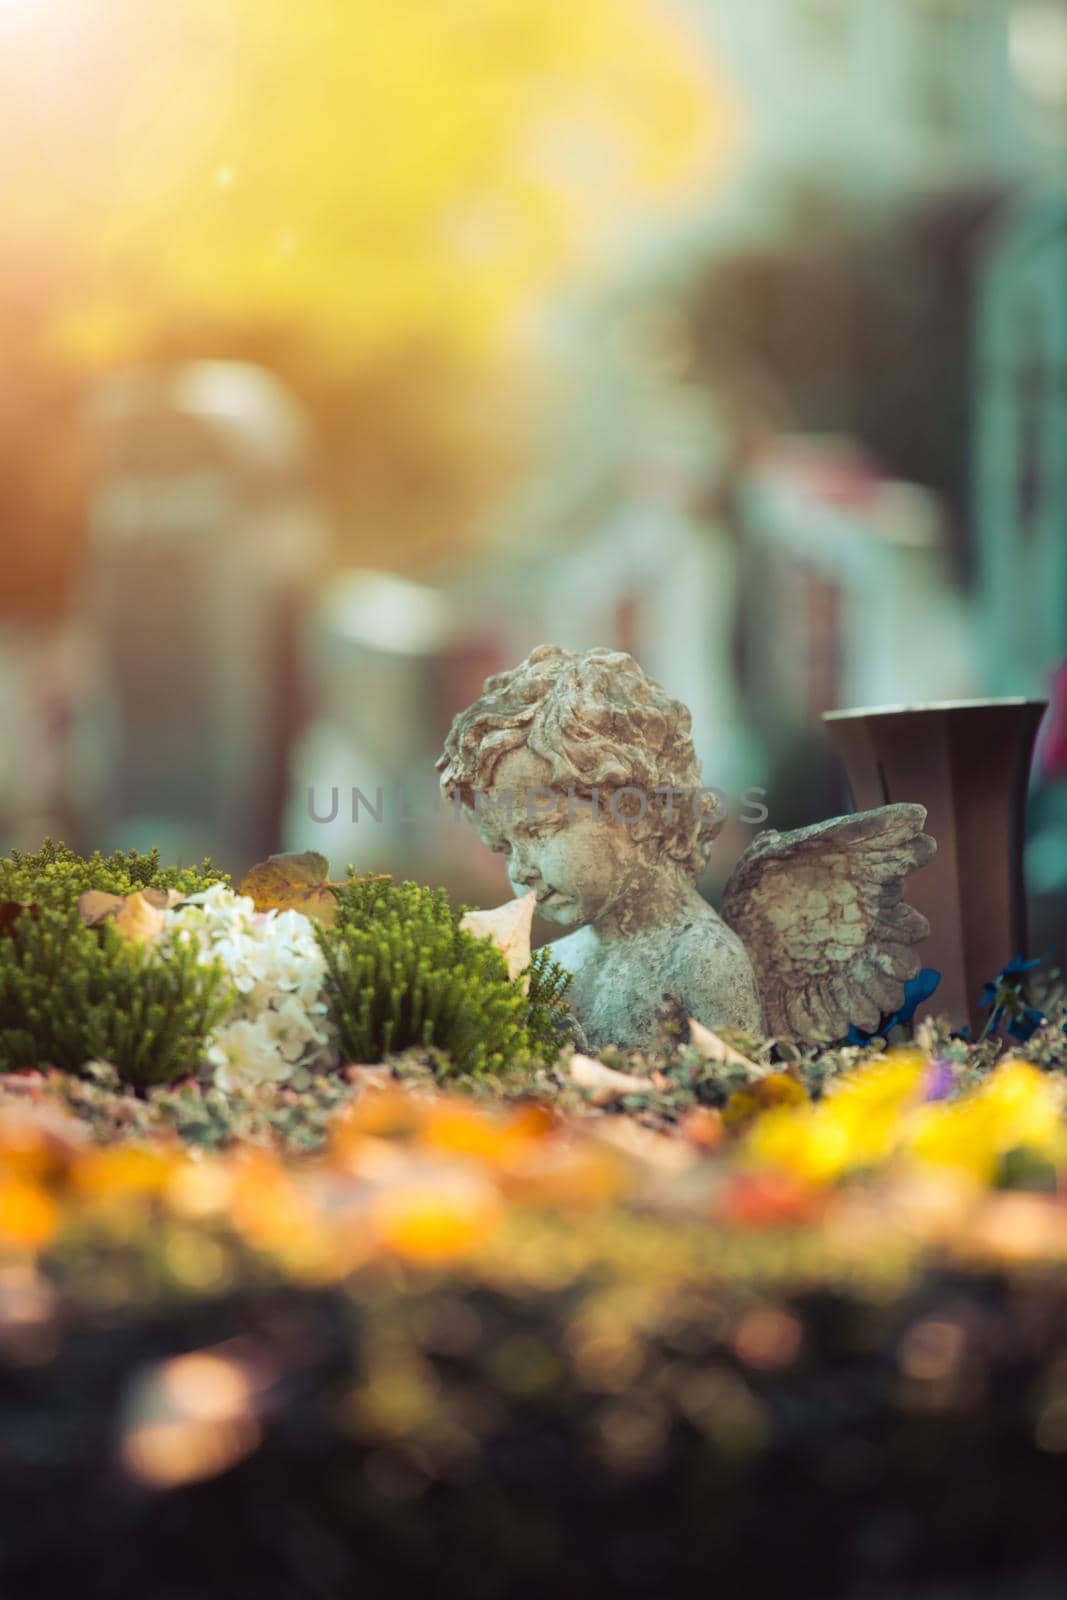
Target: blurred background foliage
[[370, 200]]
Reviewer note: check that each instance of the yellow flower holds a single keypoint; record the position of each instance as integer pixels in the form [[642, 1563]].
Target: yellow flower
[[1018, 1106], [876, 1115], [857, 1125]]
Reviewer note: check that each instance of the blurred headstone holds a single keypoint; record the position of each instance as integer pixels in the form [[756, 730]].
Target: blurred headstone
[[847, 597], [205, 537], [42, 666], [1020, 502], [1020, 463], [363, 788]]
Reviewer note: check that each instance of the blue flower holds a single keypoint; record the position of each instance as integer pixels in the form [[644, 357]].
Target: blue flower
[[1005, 996], [1025, 1022], [916, 990], [1014, 969]]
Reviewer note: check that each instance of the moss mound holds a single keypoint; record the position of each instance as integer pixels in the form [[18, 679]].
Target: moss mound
[[70, 994], [401, 972]]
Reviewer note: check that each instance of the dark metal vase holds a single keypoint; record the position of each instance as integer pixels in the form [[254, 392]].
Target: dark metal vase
[[968, 763]]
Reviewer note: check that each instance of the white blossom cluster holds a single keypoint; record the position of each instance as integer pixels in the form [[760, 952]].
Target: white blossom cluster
[[278, 1021]]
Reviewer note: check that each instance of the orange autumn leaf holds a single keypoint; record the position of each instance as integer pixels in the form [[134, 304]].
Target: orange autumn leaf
[[139, 920], [39, 1143], [381, 1113], [28, 1215], [498, 1142], [438, 1220], [767, 1200], [705, 1128], [294, 882], [575, 1175], [118, 1174]]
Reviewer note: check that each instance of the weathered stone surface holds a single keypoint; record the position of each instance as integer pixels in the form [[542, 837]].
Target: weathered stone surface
[[581, 770]]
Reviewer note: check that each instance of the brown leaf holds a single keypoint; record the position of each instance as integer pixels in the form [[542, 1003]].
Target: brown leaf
[[95, 906], [163, 899], [11, 910], [294, 882]]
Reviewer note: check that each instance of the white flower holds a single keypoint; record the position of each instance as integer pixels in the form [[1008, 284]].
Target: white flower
[[244, 1053], [279, 1019]]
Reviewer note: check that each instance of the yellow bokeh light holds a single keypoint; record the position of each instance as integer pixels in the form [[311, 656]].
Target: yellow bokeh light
[[380, 170]]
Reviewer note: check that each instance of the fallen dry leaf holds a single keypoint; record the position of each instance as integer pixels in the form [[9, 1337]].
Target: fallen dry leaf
[[509, 927], [712, 1048], [294, 882], [96, 907], [139, 920], [603, 1085]]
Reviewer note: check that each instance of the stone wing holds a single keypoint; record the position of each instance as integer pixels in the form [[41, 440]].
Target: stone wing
[[822, 915]]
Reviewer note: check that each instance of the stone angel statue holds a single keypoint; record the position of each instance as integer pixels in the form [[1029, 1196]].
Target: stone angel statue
[[581, 770]]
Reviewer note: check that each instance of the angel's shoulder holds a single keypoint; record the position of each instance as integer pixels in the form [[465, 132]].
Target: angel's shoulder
[[718, 971], [702, 928], [712, 951], [705, 942]]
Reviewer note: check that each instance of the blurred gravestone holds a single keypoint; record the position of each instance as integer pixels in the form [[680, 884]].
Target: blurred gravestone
[[364, 786], [1020, 459], [1020, 508], [204, 540]]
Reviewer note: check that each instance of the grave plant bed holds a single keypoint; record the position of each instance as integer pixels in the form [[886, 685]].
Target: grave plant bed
[[724, 1313]]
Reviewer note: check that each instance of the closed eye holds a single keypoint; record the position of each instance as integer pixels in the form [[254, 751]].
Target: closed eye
[[543, 827]]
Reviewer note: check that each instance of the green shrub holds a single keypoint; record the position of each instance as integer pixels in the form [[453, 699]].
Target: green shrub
[[401, 972], [71, 994], [55, 875], [548, 1018]]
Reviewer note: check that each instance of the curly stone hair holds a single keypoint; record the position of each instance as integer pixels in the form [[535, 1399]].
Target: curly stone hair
[[599, 723]]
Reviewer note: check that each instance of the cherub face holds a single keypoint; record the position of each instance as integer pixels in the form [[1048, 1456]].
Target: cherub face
[[578, 864]]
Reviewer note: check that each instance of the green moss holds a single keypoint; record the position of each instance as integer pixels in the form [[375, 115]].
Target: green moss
[[71, 994], [401, 972], [55, 875]]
